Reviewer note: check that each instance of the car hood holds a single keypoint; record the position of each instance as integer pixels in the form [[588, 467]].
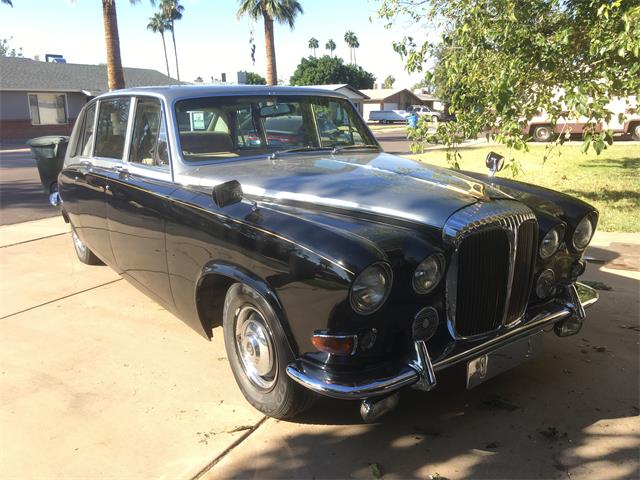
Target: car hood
[[378, 183]]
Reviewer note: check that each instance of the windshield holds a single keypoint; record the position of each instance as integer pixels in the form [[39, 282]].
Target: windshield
[[227, 127]]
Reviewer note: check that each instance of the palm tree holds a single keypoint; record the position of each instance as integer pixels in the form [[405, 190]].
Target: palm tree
[[172, 11], [313, 44], [158, 24], [331, 46], [283, 11], [353, 43]]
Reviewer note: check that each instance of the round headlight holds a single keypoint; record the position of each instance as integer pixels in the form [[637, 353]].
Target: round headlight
[[371, 288], [551, 242], [545, 285], [583, 233], [428, 274]]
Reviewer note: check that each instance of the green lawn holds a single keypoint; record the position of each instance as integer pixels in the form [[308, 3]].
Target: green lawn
[[609, 181]]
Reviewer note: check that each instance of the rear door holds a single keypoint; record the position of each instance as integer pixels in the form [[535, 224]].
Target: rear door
[[137, 201]]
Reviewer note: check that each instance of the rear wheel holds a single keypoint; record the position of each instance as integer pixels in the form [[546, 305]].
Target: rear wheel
[[542, 133], [635, 131], [85, 255], [258, 352]]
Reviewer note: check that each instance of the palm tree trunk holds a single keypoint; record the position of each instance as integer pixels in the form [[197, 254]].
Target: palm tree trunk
[[166, 58], [115, 74], [272, 74], [355, 62], [175, 51]]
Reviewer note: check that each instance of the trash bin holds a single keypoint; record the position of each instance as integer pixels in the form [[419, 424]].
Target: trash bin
[[49, 152]]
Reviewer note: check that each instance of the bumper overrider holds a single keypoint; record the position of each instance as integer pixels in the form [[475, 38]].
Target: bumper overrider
[[565, 315]]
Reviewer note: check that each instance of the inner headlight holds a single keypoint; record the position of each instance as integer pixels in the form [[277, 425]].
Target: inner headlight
[[545, 285], [371, 288], [428, 274], [583, 233], [551, 242]]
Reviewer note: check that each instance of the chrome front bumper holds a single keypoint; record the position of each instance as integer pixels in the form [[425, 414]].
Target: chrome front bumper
[[420, 371]]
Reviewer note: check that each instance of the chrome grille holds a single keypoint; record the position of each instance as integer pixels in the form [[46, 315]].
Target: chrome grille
[[489, 280]]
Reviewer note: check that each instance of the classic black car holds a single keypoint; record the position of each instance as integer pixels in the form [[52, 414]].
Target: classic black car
[[333, 268]]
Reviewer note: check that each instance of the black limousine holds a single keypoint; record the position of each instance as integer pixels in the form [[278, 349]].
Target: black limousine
[[332, 267]]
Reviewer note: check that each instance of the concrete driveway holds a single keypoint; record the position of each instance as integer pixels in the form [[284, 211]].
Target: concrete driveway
[[97, 381]]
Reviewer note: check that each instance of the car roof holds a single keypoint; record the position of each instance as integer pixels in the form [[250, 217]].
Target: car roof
[[177, 92]]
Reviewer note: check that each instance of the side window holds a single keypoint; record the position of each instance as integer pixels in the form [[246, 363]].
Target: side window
[[149, 138], [112, 127], [85, 135]]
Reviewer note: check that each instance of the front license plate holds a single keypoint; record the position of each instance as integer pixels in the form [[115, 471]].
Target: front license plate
[[508, 356]]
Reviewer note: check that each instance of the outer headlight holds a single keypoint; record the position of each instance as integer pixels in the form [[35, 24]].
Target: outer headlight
[[428, 274], [371, 288], [551, 242], [583, 233]]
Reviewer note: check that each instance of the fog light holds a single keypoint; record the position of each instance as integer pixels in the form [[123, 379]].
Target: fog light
[[335, 344], [425, 324], [545, 285]]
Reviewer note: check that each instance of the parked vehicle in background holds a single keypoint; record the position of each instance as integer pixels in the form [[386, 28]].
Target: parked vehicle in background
[[388, 116], [540, 129], [333, 268], [434, 115]]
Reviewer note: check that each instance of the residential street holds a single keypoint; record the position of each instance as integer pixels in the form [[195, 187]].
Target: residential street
[[98, 381]]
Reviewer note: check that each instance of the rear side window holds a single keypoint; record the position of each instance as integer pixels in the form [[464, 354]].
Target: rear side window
[[112, 127], [149, 138], [85, 135]]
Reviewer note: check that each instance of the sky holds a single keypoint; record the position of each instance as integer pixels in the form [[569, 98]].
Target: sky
[[210, 39]]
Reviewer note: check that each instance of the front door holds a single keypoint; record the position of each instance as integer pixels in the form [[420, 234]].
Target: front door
[[137, 202]]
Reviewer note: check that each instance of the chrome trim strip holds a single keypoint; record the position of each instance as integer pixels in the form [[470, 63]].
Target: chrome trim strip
[[420, 369]]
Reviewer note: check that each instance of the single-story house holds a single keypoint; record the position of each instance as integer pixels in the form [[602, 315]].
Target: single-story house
[[356, 96], [389, 99], [430, 100], [42, 98]]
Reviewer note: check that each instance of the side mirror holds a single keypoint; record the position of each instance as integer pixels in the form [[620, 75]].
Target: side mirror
[[227, 193], [494, 163]]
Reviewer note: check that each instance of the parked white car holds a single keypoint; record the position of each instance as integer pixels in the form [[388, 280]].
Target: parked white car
[[388, 116]]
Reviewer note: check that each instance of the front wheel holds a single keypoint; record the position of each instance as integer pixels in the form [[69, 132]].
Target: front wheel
[[435, 119], [85, 255], [635, 131], [542, 133], [259, 353]]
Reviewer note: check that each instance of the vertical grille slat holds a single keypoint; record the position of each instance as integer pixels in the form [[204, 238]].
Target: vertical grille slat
[[488, 286]]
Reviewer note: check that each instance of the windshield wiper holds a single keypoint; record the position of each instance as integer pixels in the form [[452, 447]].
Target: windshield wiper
[[299, 149], [354, 147]]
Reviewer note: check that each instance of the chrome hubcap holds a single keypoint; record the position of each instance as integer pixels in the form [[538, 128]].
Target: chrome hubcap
[[80, 247], [254, 347], [637, 130], [543, 133]]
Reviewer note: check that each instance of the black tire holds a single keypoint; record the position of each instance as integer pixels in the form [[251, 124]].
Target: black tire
[[635, 131], [542, 133], [435, 119], [85, 255], [270, 391]]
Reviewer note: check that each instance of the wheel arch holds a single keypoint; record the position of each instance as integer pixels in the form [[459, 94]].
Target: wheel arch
[[213, 284]]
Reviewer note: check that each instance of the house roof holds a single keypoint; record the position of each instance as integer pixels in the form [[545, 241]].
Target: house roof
[[31, 75], [338, 86], [427, 97], [381, 94]]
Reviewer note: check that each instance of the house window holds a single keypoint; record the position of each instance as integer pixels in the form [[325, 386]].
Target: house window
[[48, 108]]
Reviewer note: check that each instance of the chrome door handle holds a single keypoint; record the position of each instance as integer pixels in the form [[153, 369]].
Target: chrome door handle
[[121, 170]]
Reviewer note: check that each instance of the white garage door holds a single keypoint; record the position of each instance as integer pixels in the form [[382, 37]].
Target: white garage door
[[391, 106]]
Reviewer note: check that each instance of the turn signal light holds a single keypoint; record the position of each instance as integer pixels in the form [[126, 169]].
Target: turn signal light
[[335, 344]]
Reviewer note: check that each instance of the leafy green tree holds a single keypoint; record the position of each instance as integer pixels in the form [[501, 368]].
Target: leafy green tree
[[7, 51], [500, 62], [352, 42], [331, 46], [389, 81], [172, 11], [158, 24], [313, 44], [282, 11], [255, 79], [328, 70]]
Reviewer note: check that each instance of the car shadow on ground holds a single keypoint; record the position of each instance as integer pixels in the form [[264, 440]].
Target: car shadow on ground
[[572, 411]]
